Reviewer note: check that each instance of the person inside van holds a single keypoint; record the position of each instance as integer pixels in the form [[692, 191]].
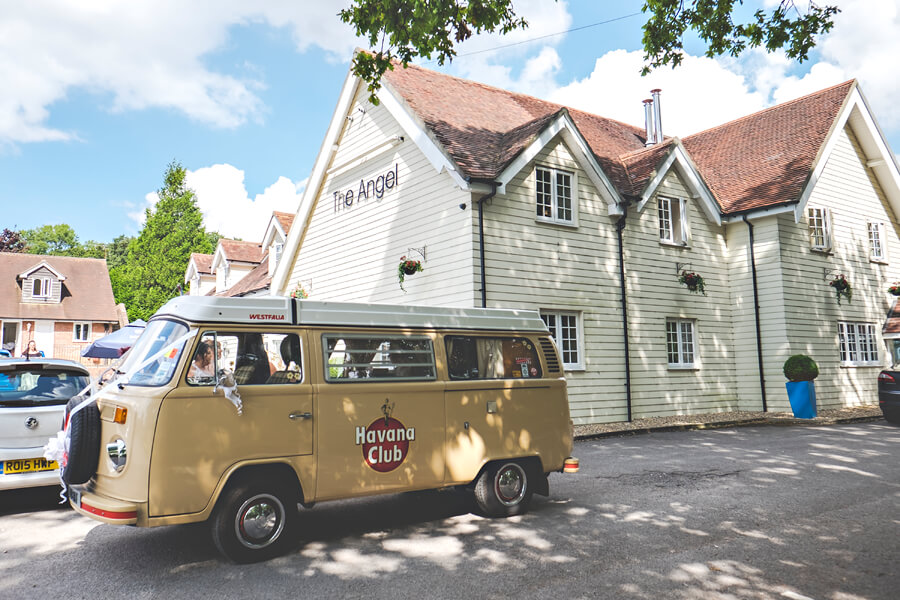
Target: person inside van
[[203, 366]]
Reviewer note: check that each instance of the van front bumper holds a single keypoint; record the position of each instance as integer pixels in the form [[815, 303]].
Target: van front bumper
[[102, 508]]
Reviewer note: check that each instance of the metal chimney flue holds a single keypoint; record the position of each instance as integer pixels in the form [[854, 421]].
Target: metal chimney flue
[[648, 122], [657, 116]]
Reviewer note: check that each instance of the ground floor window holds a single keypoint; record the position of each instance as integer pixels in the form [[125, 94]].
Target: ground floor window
[[858, 344], [82, 332], [565, 327], [680, 343]]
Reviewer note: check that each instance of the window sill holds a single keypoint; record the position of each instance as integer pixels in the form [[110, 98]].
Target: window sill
[[674, 244], [856, 365], [683, 367], [878, 261], [566, 224], [574, 369], [823, 251]]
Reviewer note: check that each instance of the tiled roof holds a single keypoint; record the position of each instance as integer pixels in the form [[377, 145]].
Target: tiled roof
[[87, 294], [766, 158], [484, 128], [756, 161], [284, 219], [203, 263], [240, 251], [257, 279]]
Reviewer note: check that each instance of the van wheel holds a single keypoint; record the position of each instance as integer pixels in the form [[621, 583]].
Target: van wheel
[[84, 445], [255, 521], [503, 490]]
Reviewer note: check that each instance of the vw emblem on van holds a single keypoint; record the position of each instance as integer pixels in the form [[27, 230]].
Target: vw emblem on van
[[385, 442], [31, 423]]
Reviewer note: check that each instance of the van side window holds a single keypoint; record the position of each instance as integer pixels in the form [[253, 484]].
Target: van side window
[[257, 358], [366, 357], [492, 358]]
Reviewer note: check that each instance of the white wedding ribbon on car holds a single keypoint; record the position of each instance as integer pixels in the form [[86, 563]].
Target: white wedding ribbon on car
[[57, 447]]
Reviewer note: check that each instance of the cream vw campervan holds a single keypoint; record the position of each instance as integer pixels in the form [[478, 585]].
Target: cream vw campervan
[[234, 410]]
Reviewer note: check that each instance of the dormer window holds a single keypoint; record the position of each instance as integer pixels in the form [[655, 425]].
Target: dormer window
[[40, 287], [279, 248], [554, 195], [819, 228], [673, 225]]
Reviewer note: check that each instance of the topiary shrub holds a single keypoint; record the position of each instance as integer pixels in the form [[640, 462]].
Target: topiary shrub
[[800, 367]]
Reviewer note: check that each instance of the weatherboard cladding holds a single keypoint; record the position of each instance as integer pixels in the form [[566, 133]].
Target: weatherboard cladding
[[753, 162]]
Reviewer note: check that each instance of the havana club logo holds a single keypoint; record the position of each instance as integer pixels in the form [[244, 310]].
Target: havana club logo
[[385, 442]]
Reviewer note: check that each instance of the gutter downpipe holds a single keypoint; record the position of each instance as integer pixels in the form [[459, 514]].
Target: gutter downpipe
[[620, 227], [481, 202], [759, 349]]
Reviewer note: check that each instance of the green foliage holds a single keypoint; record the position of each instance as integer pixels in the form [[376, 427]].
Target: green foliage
[[405, 29], [11, 241], [53, 240], [800, 367], [712, 21], [153, 269]]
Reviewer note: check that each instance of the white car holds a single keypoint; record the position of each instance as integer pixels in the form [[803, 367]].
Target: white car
[[33, 397]]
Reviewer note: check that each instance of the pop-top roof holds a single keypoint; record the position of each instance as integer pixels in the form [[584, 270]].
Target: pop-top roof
[[271, 310]]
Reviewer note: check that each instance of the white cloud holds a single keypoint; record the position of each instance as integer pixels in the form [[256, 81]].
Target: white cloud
[[227, 207], [487, 57], [143, 53], [699, 94]]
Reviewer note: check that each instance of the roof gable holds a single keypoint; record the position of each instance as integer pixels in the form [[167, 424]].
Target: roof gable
[[41, 265], [766, 158]]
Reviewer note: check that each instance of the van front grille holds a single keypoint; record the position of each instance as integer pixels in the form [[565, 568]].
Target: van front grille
[[550, 355]]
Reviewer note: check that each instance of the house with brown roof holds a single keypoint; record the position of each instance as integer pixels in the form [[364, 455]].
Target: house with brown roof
[[510, 201], [60, 302], [239, 268]]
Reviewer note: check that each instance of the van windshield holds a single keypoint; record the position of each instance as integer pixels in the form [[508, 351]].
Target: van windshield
[[152, 360]]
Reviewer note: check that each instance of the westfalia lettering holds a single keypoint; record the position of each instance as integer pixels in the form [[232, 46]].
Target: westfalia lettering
[[258, 317], [373, 188], [369, 436]]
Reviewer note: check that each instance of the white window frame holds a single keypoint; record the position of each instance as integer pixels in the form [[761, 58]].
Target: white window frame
[[85, 331], [46, 287], [554, 196], [877, 241], [672, 221], [553, 319], [681, 342], [820, 228], [858, 344]]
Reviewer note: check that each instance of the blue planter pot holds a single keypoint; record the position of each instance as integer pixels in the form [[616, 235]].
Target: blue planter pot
[[802, 395]]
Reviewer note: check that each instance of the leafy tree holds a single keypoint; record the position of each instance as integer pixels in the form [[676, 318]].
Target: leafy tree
[[785, 26], [11, 241], [117, 251], [55, 240], [405, 29], [156, 261]]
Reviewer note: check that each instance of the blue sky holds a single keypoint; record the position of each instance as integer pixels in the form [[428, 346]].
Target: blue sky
[[100, 95]]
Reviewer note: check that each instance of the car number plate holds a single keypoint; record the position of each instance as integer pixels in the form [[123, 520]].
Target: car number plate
[[27, 465]]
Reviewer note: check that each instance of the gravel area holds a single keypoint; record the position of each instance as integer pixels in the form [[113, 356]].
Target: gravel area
[[871, 411]]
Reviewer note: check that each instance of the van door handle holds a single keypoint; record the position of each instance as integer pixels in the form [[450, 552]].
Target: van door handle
[[299, 415]]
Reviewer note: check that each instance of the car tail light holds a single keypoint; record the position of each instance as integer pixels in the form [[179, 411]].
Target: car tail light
[[886, 378]]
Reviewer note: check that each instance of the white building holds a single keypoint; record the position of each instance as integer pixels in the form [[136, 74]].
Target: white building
[[510, 201]]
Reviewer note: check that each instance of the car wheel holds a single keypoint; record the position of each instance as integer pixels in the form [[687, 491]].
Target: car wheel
[[255, 521], [84, 445], [503, 490]]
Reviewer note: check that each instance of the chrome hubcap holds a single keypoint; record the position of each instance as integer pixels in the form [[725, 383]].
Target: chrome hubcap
[[259, 521], [510, 484]]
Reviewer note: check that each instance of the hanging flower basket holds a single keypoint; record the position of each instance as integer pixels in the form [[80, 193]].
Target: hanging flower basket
[[693, 282], [842, 288], [299, 292], [894, 290], [407, 267]]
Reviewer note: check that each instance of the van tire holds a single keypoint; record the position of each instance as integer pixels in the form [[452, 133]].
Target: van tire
[[255, 521], [84, 445], [503, 489]]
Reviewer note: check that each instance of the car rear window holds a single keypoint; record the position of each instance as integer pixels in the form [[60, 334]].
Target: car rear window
[[29, 386]]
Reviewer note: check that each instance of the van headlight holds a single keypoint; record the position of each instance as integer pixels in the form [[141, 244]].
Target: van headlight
[[117, 454]]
